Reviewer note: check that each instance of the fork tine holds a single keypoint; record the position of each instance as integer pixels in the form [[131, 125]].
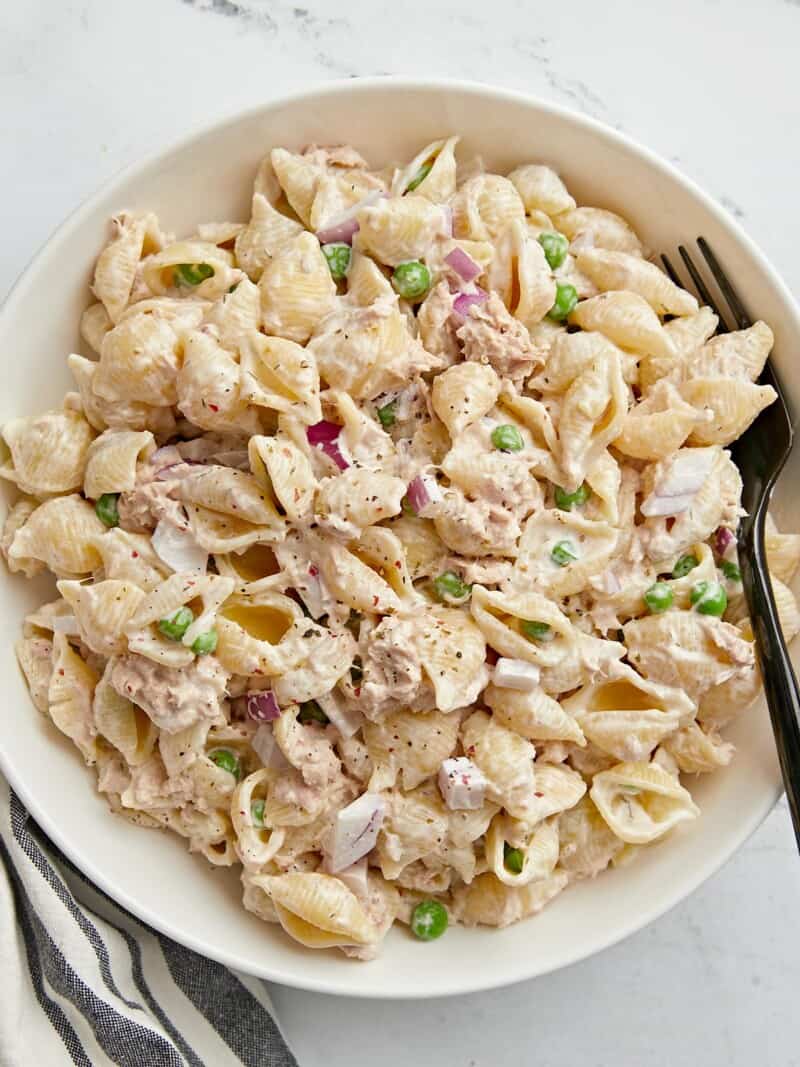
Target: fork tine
[[741, 317], [702, 288], [673, 274]]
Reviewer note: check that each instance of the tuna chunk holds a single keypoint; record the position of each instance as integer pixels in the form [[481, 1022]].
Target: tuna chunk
[[173, 697], [486, 571], [35, 655], [152, 788], [491, 334], [142, 507], [392, 671], [476, 527], [437, 324], [310, 750]]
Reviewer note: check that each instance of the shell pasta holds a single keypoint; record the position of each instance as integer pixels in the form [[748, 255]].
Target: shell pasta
[[392, 534]]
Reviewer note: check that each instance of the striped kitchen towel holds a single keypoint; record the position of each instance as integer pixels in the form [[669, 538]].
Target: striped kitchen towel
[[85, 982]]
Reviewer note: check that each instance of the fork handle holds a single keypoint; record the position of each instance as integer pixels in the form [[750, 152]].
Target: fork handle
[[780, 684]]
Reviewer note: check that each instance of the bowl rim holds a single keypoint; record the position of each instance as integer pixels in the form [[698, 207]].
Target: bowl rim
[[460, 984]]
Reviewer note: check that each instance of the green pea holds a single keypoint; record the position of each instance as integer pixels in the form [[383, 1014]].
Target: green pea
[[106, 509], [310, 711], [192, 273], [174, 626], [226, 761], [566, 299], [448, 586], [429, 920], [513, 858], [338, 256], [388, 414], [563, 552], [566, 501], [555, 247], [659, 597], [684, 565], [257, 812], [507, 438], [537, 631], [730, 570], [419, 177], [205, 644], [411, 280], [709, 598]]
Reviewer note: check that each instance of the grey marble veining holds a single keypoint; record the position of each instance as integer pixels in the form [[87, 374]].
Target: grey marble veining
[[711, 84]]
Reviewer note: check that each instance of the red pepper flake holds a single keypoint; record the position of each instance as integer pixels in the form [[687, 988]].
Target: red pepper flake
[[214, 407], [61, 671], [357, 692], [376, 600], [134, 555], [398, 564], [471, 750], [313, 571], [540, 795]]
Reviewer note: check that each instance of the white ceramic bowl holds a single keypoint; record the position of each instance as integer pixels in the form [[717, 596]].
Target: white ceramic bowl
[[208, 177]]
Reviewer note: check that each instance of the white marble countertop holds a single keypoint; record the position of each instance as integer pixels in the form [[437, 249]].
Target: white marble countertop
[[90, 85]]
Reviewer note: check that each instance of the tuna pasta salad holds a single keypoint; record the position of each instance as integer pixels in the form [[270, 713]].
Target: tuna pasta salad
[[393, 536]]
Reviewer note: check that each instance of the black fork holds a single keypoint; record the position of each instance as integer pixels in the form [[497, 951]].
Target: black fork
[[760, 454]]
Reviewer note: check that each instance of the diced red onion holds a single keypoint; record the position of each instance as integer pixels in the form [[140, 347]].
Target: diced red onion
[[198, 450], [688, 470], [174, 471], [235, 457], [462, 784], [723, 539], [422, 492], [464, 301], [262, 706], [333, 451], [679, 483], [463, 264], [356, 830], [611, 583], [179, 549], [658, 505], [343, 228], [267, 749], [323, 432], [516, 674], [325, 436], [167, 456], [347, 720], [339, 232], [354, 877]]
